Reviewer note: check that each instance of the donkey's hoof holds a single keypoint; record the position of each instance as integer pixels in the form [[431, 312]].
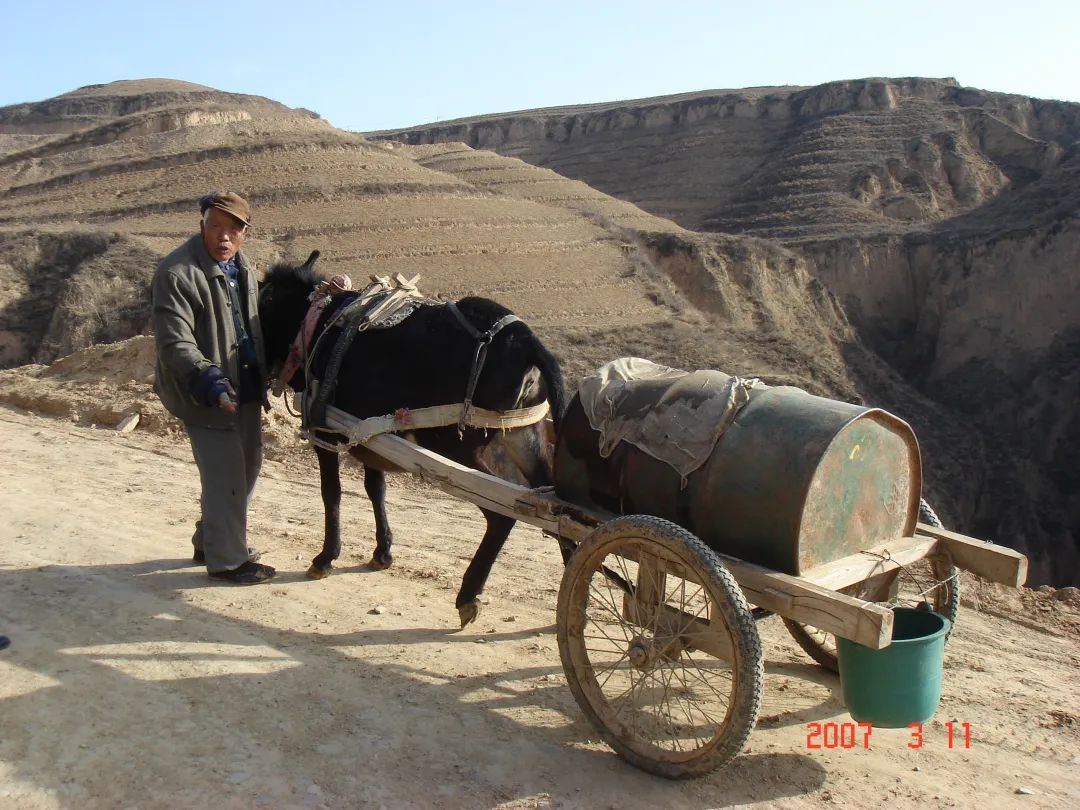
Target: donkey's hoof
[[468, 612], [380, 562], [318, 572]]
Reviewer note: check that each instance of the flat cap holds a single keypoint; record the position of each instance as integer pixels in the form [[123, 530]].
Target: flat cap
[[229, 202]]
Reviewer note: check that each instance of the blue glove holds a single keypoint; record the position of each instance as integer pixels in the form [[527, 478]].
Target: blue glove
[[208, 385]]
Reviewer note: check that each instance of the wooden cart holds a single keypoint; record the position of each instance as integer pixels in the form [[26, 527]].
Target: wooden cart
[[656, 631]]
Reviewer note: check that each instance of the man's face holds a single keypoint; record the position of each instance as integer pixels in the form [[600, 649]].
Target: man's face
[[222, 234]]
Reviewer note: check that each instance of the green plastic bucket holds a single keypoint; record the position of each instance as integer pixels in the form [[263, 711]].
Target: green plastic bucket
[[900, 684]]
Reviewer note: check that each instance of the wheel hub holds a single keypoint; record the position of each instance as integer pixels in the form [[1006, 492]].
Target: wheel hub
[[645, 653], [640, 653]]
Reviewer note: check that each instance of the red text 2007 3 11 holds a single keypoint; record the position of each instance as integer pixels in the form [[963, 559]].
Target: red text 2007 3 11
[[857, 735]]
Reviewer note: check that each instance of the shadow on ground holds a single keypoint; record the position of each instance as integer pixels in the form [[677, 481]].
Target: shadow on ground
[[130, 695]]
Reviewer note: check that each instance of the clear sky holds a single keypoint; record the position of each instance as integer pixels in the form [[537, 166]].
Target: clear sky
[[395, 63]]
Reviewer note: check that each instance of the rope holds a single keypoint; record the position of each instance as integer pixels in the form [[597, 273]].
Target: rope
[[903, 569], [288, 405]]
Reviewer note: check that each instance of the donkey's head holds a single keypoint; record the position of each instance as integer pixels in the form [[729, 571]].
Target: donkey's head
[[283, 303]]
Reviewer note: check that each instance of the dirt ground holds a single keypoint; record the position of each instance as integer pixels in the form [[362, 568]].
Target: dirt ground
[[134, 681]]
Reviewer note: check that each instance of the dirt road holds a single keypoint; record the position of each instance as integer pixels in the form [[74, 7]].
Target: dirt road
[[134, 681]]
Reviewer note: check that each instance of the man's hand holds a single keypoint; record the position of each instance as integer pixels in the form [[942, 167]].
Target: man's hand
[[214, 389], [227, 398]]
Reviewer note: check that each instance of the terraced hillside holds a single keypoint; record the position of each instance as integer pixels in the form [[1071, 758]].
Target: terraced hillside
[[367, 207], [97, 184], [846, 158], [574, 261], [944, 218]]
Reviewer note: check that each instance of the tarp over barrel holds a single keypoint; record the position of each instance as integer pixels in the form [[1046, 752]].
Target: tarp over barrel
[[772, 475]]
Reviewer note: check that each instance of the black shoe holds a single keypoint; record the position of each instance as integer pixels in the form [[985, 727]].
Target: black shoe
[[200, 556], [250, 573]]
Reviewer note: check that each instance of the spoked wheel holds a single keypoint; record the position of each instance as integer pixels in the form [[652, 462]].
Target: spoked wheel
[[659, 647], [934, 580]]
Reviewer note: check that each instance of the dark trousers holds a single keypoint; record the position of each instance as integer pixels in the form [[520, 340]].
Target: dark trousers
[[229, 462]]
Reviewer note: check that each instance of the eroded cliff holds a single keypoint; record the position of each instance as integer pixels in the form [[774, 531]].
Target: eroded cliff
[[944, 218]]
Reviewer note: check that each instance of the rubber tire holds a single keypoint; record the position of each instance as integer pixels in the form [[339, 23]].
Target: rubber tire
[[748, 668], [949, 605]]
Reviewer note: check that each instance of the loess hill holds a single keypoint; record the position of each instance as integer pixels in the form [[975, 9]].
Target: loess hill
[[742, 231], [944, 218]]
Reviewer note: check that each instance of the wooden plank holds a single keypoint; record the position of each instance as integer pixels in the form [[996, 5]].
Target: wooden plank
[[538, 508], [128, 423], [864, 622], [484, 490], [864, 565], [988, 560], [867, 623], [651, 582]]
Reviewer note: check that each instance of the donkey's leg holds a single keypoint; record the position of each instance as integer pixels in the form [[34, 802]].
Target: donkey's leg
[[472, 584], [330, 484], [375, 485]]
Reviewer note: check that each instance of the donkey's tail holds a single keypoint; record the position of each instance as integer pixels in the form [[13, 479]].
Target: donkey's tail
[[553, 379]]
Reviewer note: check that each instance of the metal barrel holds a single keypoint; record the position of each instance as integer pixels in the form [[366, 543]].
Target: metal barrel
[[795, 481]]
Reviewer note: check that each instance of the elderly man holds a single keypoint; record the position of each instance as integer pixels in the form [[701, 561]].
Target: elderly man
[[211, 374]]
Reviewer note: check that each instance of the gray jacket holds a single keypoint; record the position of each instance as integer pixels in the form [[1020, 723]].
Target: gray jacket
[[194, 329]]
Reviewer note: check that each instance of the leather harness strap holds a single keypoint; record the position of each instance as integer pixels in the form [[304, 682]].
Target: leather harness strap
[[358, 431], [367, 310], [356, 316], [483, 340], [350, 319]]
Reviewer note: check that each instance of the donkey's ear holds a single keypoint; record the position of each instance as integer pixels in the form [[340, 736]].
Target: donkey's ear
[[314, 257]]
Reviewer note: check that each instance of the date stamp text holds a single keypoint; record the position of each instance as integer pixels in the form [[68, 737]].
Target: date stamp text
[[857, 735]]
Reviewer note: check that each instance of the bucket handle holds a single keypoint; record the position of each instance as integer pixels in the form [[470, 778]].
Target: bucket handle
[[904, 570]]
